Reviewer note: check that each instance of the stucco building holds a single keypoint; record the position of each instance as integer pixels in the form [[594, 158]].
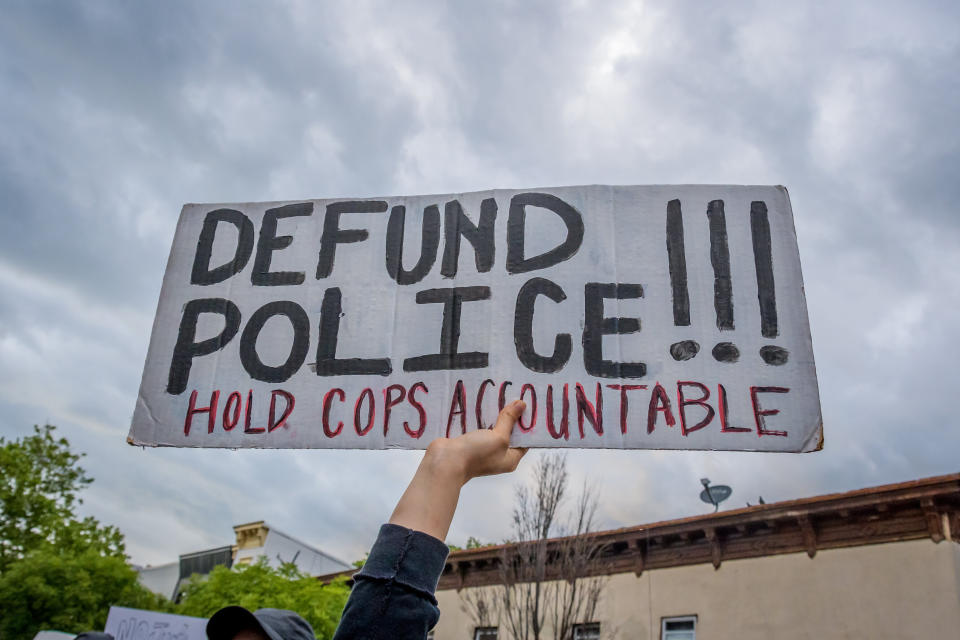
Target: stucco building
[[876, 563]]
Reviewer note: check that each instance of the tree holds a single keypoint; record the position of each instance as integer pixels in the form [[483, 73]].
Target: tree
[[68, 590], [258, 585], [38, 491], [546, 574], [474, 543], [56, 570]]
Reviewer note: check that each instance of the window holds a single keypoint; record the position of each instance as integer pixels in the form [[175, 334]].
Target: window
[[485, 633], [586, 631], [679, 628]]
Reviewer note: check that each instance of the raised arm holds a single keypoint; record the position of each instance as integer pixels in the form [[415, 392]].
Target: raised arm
[[431, 497], [392, 595]]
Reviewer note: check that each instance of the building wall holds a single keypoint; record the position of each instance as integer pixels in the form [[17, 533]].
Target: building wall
[[161, 579], [279, 547], [956, 565], [888, 591]]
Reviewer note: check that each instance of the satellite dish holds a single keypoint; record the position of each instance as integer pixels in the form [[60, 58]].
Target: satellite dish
[[714, 495]]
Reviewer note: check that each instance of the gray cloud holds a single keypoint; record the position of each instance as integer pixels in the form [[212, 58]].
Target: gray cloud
[[115, 114]]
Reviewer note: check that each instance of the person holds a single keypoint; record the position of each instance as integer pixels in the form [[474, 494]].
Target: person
[[393, 594], [237, 623]]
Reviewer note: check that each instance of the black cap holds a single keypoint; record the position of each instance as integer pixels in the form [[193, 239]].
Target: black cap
[[93, 635], [276, 624]]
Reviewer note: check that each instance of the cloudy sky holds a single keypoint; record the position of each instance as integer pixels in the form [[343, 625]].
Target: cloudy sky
[[114, 114]]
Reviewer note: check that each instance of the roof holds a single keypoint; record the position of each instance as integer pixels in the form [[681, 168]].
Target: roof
[[319, 552], [925, 508], [271, 531]]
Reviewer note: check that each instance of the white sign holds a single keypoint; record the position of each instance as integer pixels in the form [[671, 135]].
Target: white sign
[[136, 624], [54, 635], [668, 317]]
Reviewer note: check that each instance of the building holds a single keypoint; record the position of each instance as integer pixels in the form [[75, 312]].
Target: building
[[258, 540], [882, 562], [253, 541]]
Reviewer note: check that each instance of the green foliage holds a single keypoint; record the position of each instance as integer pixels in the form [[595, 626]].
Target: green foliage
[[89, 534], [56, 571], [473, 543], [61, 572], [257, 585], [38, 491], [68, 591]]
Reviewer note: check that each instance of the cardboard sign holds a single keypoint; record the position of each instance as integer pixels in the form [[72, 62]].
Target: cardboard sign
[[668, 317], [136, 624]]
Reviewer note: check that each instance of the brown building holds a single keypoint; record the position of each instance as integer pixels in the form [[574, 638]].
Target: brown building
[[882, 562]]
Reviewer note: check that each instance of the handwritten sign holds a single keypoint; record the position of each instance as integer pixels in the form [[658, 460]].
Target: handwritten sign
[[665, 317], [137, 624]]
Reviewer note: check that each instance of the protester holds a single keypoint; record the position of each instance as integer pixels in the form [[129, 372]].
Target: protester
[[393, 594], [237, 623]]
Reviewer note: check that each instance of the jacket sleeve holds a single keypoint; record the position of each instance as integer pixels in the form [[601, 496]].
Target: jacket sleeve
[[392, 595]]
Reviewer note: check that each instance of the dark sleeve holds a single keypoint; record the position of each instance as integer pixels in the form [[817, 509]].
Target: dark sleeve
[[392, 595]]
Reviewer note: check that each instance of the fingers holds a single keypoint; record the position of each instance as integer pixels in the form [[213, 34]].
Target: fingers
[[508, 417], [504, 427], [512, 458]]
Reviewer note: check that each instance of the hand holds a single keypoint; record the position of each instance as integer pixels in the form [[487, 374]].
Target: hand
[[485, 452], [431, 498]]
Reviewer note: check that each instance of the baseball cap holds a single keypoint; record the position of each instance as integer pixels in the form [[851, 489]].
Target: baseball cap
[[277, 624]]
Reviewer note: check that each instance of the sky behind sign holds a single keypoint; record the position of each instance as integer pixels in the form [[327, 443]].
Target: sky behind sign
[[115, 114]]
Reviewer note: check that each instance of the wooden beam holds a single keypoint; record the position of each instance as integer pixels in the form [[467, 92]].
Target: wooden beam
[[715, 551], [934, 525], [809, 535], [640, 558]]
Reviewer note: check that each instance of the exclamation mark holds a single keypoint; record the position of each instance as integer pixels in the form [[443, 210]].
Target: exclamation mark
[[722, 284], [766, 292], [677, 259]]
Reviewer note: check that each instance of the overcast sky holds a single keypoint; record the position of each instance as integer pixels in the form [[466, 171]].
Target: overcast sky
[[114, 114]]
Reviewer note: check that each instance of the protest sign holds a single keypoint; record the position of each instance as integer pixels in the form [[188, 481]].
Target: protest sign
[[665, 317], [136, 624]]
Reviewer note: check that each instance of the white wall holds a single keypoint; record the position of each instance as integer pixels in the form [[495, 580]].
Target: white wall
[[161, 579], [279, 547]]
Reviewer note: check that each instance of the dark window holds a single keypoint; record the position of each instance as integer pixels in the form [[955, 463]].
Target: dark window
[[678, 628], [485, 633], [203, 562], [586, 631]]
